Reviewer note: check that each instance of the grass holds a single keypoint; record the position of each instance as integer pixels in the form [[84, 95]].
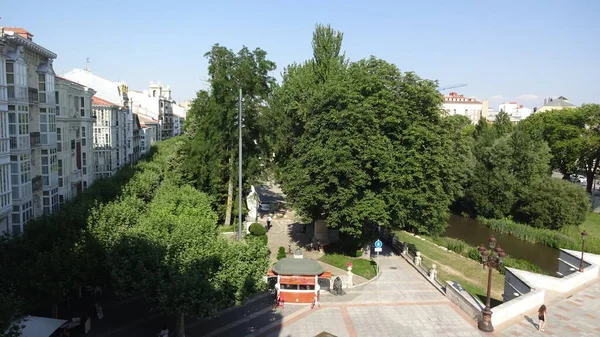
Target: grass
[[361, 267], [567, 237], [454, 267]]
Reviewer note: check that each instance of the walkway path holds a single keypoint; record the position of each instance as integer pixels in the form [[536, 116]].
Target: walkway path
[[399, 303], [576, 315]]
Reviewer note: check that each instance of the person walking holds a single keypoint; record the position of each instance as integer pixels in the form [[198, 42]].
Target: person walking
[[315, 302], [542, 317], [269, 220]]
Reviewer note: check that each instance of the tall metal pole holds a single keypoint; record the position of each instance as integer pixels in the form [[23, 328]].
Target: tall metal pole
[[240, 168]]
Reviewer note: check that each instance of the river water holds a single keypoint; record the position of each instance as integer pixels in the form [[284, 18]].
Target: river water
[[474, 233]]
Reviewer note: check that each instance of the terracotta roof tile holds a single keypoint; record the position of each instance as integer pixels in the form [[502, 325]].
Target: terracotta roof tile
[[19, 31], [102, 102]]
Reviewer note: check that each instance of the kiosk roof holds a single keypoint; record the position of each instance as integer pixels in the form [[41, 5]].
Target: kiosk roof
[[297, 267]]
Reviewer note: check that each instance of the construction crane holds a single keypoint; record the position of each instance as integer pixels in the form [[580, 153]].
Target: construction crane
[[453, 86]]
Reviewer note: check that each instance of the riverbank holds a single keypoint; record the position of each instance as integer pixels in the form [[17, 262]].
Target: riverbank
[[567, 237], [452, 266]]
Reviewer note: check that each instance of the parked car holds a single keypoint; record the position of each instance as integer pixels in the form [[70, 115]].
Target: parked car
[[265, 208]]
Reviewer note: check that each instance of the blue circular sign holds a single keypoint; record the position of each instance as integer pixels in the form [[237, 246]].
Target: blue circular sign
[[378, 244]]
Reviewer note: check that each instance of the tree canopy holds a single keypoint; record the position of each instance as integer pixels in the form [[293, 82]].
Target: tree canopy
[[212, 128], [362, 143]]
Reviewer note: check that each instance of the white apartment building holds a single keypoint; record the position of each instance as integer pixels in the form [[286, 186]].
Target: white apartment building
[[28, 111], [455, 104], [5, 186], [516, 111], [158, 103], [74, 129], [113, 131], [109, 148], [179, 114], [148, 132]]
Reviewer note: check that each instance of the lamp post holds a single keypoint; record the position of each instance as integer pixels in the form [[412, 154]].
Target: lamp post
[[583, 237], [492, 258]]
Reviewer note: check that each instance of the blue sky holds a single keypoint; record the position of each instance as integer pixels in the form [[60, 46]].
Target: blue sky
[[505, 50]]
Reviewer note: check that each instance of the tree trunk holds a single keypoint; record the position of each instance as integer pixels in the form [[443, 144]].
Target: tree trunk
[[590, 181], [229, 207], [180, 324]]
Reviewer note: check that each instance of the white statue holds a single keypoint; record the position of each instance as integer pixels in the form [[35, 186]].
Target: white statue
[[252, 202]]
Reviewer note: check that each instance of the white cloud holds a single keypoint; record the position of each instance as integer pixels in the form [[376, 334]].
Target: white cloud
[[528, 97], [496, 97]]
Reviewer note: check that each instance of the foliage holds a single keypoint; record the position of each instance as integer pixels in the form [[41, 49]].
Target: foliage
[[553, 203], [573, 136], [213, 131], [9, 306], [257, 229], [281, 253], [567, 237], [362, 144], [506, 166]]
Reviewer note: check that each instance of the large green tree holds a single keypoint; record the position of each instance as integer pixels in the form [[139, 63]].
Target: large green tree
[[574, 139], [362, 143], [212, 152]]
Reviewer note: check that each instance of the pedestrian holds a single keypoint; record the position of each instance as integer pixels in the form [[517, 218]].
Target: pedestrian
[[164, 332], [542, 317], [269, 219], [315, 302]]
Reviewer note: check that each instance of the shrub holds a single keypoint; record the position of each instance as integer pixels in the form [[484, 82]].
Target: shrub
[[552, 203], [257, 229], [358, 253], [412, 249], [262, 238], [281, 253]]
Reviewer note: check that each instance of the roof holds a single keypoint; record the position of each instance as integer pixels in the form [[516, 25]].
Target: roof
[[179, 111], [146, 119], [66, 79], [558, 102], [297, 267], [105, 89], [102, 102], [19, 31], [460, 99], [40, 326]]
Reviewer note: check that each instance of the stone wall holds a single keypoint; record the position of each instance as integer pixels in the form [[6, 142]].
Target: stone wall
[[467, 302]]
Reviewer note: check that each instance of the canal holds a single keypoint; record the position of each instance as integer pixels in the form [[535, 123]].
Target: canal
[[474, 233]]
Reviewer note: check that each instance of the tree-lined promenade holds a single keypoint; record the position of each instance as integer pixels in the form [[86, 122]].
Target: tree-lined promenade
[[359, 144]]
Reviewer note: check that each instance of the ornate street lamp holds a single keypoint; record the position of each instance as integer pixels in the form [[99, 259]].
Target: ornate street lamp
[[493, 259], [583, 237]]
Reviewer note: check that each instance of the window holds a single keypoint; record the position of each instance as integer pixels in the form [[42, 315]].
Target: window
[[73, 144], [58, 140], [82, 106], [83, 140], [84, 162]]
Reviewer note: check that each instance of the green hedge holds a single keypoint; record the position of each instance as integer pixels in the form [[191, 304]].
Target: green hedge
[[281, 253], [257, 229]]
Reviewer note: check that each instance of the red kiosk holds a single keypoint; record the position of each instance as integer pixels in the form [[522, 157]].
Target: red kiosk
[[298, 279]]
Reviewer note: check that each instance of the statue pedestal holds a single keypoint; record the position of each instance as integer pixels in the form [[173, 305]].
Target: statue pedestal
[[247, 226]]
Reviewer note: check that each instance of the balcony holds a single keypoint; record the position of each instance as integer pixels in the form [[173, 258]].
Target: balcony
[[4, 146], [76, 177], [36, 183], [34, 139], [33, 95]]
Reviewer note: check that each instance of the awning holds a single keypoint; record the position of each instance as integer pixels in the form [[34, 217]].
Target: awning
[[297, 267], [34, 326]]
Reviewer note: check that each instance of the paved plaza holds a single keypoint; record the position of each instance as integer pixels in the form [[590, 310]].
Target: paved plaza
[[576, 315], [399, 303]]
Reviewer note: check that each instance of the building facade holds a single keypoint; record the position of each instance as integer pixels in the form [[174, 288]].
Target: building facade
[[5, 185], [158, 104], [455, 104], [74, 130], [113, 131], [148, 132], [28, 72]]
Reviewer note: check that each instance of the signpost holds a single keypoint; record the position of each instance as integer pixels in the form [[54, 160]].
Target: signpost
[[378, 248]]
